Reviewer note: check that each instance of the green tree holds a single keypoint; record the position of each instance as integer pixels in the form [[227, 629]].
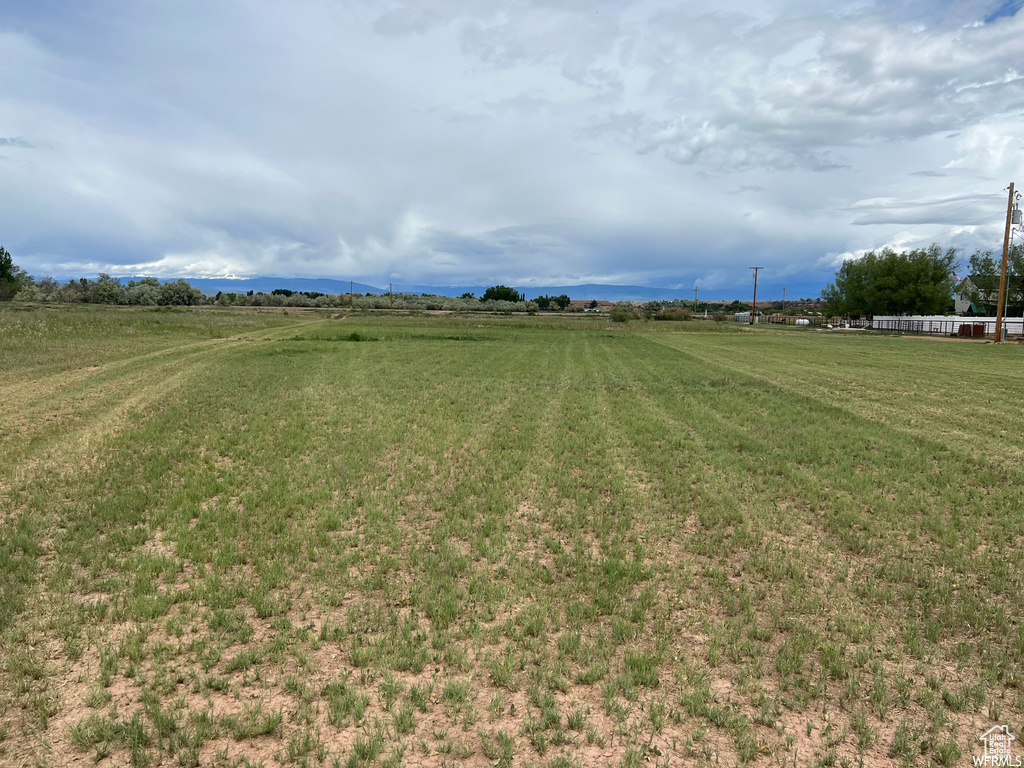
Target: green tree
[[106, 290], [75, 291], [12, 277], [553, 302], [144, 292], [31, 293], [501, 293], [48, 286], [180, 292], [918, 282], [621, 312], [6, 265]]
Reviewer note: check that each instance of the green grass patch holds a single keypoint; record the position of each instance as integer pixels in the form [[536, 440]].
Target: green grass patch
[[502, 536]]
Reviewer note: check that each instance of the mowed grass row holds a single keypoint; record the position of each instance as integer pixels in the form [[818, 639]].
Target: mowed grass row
[[961, 394], [444, 540]]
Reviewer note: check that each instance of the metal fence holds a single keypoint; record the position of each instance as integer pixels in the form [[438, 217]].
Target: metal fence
[[932, 325], [777, 319], [970, 327], [792, 319]]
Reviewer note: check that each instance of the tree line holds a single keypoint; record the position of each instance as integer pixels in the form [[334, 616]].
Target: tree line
[[149, 291], [920, 282], [886, 282]]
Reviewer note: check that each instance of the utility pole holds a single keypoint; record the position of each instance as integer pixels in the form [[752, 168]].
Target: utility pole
[[783, 299], [1002, 272], [351, 305], [753, 309], [391, 294], [695, 298]]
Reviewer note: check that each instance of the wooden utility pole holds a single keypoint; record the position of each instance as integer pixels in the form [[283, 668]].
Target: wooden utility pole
[[695, 298], [753, 309], [783, 299], [391, 295], [1002, 272], [350, 302]]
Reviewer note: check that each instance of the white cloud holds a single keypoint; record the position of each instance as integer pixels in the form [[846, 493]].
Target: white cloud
[[529, 141]]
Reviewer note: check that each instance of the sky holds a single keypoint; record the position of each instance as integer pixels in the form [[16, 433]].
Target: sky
[[523, 142]]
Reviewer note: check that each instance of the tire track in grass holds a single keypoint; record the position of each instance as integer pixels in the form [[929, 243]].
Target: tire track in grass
[[51, 385], [56, 451], [59, 457], [99, 406], [147, 388], [479, 424], [56, 457]]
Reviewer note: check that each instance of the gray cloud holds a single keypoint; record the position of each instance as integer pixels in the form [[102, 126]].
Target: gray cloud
[[16, 142], [532, 140], [407, 21], [796, 90]]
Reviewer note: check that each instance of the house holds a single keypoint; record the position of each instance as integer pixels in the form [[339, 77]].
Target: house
[[977, 295]]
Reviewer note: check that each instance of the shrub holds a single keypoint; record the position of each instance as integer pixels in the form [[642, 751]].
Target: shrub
[[621, 312], [30, 293]]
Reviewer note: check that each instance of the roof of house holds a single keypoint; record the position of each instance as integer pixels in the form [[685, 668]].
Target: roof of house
[[989, 282]]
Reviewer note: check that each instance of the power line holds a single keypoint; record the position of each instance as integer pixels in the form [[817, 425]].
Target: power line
[[753, 308]]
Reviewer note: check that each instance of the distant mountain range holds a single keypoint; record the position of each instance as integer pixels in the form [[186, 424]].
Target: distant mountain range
[[324, 285], [211, 285], [585, 291]]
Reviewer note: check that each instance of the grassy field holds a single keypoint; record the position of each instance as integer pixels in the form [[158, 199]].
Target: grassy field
[[235, 538]]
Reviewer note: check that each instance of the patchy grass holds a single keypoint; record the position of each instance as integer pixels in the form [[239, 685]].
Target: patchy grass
[[525, 541]]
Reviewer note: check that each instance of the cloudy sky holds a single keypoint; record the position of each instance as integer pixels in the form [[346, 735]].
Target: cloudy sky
[[530, 142]]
